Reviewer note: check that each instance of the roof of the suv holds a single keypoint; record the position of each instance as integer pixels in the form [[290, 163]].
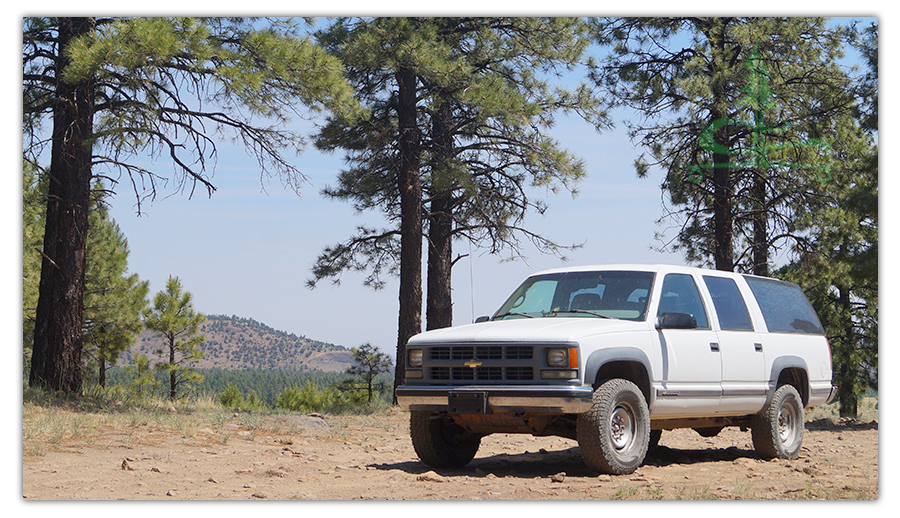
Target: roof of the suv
[[621, 267]]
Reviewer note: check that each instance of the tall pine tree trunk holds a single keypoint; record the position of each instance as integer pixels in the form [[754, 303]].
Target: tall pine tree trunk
[[439, 302], [439, 298], [760, 231], [56, 358], [847, 378], [102, 374], [723, 213], [410, 187]]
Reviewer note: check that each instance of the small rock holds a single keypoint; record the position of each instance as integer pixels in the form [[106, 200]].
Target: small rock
[[260, 495], [156, 470], [170, 492], [430, 476], [214, 481], [126, 466], [559, 477], [604, 478]]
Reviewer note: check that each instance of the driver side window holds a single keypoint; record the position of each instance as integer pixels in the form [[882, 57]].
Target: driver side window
[[680, 294]]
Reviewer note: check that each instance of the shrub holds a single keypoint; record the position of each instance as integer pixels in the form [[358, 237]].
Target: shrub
[[308, 398], [232, 398]]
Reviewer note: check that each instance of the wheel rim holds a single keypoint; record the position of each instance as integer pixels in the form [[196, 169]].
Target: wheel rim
[[621, 427], [787, 420]]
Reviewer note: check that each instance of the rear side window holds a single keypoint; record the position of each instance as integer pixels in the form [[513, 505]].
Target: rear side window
[[784, 306], [730, 307]]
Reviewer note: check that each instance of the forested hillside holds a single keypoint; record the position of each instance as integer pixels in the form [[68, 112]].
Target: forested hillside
[[236, 343]]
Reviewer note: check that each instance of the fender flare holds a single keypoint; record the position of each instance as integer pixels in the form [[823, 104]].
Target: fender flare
[[597, 359], [779, 365]]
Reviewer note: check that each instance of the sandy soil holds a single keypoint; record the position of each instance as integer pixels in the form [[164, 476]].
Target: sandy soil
[[371, 458]]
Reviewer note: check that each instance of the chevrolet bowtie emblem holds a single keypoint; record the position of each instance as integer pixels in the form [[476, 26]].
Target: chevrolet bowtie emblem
[[472, 363]]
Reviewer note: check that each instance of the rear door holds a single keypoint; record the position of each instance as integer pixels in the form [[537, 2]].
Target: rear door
[[741, 348]]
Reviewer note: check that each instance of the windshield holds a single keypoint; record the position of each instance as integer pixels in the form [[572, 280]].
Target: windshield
[[606, 294]]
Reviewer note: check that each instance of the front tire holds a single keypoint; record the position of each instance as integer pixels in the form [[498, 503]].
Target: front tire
[[441, 443], [614, 435], [777, 431]]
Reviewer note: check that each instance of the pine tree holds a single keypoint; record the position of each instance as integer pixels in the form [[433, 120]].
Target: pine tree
[[457, 135], [737, 112], [120, 90], [143, 379], [174, 320], [367, 364]]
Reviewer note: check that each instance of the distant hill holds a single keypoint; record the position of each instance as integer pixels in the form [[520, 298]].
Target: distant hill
[[237, 343]]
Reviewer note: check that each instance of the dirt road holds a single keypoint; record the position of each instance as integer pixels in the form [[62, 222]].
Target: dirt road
[[371, 458]]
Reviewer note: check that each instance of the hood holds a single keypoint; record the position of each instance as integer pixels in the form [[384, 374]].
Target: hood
[[548, 329]]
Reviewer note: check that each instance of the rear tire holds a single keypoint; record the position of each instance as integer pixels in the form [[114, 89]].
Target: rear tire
[[441, 443], [777, 431], [614, 435]]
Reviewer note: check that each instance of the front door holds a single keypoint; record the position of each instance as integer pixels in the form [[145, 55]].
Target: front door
[[692, 366]]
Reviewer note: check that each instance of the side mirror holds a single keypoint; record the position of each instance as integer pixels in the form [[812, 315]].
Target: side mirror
[[676, 320], [482, 319]]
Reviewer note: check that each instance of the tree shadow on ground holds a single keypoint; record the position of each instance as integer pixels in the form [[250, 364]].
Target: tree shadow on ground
[[843, 425]]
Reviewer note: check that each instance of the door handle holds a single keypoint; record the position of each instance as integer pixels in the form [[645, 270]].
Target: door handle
[[714, 347], [758, 347]]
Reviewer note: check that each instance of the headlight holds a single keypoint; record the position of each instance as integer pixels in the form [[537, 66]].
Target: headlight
[[414, 357], [558, 357]]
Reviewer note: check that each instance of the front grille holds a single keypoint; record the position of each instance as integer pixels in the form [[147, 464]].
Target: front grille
[[481, 373], [489, 352], [519, 373], [480, 363]]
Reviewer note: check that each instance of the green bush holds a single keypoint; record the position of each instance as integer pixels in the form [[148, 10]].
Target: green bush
[[308, 398], [232, 398]]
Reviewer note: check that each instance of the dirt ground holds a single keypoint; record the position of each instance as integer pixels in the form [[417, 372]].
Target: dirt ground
[[371, 458]]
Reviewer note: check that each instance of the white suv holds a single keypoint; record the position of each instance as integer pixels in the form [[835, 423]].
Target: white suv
[[612, 355]]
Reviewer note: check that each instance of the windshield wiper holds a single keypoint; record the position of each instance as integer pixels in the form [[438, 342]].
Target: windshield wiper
[[557, 311], [513, 313]]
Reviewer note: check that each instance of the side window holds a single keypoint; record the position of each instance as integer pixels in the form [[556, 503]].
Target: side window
[[679, 293], [784, 306], [729, 304]]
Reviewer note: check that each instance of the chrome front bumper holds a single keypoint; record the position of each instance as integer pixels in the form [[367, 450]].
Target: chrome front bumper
[[495, 399]]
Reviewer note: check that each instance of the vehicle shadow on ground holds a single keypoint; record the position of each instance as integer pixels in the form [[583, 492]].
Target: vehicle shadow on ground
[[545, 464]]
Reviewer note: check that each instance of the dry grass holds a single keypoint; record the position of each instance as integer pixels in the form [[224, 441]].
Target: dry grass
[[867, 410], [55, 422]]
